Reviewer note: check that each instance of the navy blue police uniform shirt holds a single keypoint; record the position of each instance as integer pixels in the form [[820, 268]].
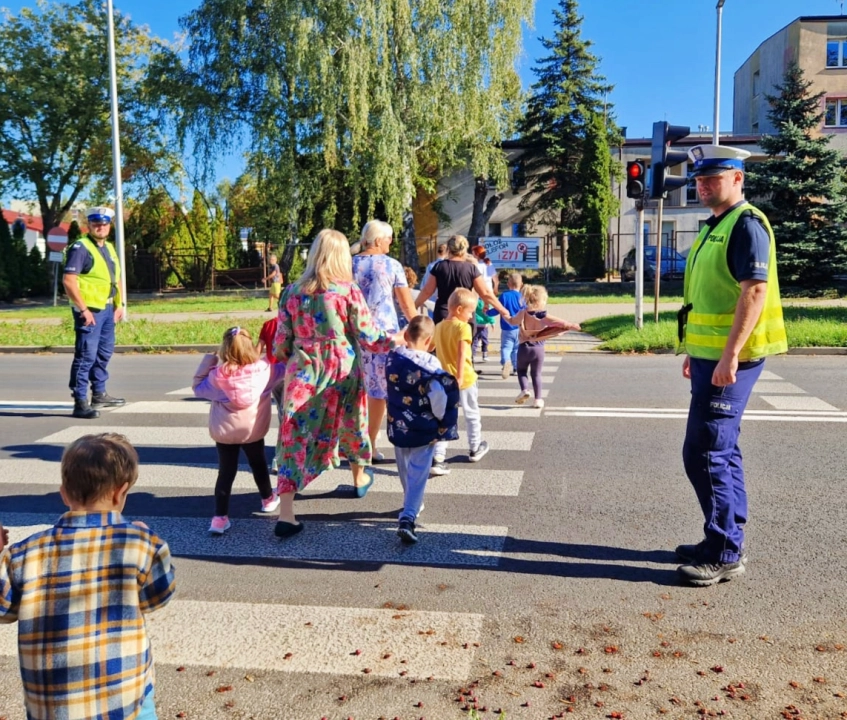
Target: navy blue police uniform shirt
[[748, 250], [80, 262]]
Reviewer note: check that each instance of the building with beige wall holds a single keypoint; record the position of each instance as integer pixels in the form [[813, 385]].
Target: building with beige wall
[[818, 44], [450, 209]]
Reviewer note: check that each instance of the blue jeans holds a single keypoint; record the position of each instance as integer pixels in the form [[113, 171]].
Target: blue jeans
[[712, 457], [509, 346], [93, 349], [413, 465], [148, 709]]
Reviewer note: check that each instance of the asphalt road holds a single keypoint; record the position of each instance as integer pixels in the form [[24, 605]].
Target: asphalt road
[[553, 553]]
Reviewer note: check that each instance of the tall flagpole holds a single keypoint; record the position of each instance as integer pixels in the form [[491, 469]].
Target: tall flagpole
[[116, 153]]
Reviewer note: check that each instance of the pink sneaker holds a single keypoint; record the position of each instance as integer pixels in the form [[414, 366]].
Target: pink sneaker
[[271, 504], [220, 524]]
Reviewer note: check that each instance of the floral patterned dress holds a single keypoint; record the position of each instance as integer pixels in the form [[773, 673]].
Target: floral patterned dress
[[321, 337]]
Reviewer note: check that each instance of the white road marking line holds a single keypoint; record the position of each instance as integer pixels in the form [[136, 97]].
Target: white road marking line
[[182, 391], [326, 541], [795, 404], [571, 408], [683, 415], [157, 436], [778, 388], [768, 375], [511, 393], [484, 380], [35, 405], [201, 476], [319, 639]]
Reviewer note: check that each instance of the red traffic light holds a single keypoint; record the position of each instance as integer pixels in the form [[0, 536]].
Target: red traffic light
[[635, 170]]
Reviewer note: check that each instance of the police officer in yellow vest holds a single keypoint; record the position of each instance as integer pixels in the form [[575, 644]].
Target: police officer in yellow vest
[[91, 280], [730, 321]]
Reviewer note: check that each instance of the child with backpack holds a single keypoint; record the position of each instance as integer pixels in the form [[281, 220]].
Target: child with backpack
[[239, 384], [422, 410]]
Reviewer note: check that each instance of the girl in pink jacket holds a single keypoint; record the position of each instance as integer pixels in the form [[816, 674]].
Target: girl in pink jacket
[[239, 383]]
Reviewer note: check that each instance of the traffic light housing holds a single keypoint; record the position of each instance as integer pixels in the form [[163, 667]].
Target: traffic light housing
[[663, 158], [636, 174]]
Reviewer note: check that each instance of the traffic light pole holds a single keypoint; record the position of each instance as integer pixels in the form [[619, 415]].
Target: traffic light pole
[[658, 257], [639, 268]]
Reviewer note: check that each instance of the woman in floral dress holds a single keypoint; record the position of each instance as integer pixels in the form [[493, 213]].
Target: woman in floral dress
[[382, 281], [324, 323]]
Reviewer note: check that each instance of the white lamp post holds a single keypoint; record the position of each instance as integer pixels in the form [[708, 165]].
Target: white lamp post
[[716, 135], [116, 153]]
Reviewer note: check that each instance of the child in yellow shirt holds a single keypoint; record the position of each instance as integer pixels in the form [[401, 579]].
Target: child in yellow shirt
[[453, 348]]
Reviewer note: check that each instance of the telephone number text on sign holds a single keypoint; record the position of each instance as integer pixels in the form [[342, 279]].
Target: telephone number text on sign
[[508, 252]]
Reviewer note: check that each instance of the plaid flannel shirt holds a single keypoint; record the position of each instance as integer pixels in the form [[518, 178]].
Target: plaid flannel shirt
[[79, 591]]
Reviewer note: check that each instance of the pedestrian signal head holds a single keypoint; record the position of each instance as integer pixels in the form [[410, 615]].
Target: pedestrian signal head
[[662, 158], [636, 174]]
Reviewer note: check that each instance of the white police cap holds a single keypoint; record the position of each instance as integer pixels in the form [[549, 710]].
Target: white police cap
[[715, 159], [100, 214]]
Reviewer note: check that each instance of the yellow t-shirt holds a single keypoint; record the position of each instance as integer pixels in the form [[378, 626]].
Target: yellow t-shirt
[[448, 334]]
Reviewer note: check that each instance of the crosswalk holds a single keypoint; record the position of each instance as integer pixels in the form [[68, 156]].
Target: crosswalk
[[176, 480]]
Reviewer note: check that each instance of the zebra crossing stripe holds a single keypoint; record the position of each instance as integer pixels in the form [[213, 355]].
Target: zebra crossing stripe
[[201, 476], [308, 639], [161, 436], [363, 541]]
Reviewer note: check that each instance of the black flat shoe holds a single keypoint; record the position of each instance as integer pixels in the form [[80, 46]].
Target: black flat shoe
[[287, 529]]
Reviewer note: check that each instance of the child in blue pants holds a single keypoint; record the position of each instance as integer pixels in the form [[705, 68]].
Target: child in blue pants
[[513, 301], [423, 408]]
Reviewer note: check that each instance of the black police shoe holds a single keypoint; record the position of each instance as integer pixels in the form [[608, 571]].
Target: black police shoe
[[710, 573], [84, 411], [101, 400], [699, 553]]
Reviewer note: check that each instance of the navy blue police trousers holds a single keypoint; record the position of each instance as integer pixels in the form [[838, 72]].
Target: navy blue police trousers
[[93, 348], [712, 457]]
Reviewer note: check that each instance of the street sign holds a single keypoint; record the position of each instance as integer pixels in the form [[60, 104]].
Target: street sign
[[55, 257], [511, 252]]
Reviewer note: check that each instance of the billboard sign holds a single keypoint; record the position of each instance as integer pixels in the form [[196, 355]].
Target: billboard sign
[[519, 253]]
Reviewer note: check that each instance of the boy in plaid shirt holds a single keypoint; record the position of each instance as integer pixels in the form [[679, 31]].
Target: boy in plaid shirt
[[79, 592]]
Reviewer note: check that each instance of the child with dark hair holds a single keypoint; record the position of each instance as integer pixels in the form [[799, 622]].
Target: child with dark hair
[[422, 410], [239, 384], [79, 592]]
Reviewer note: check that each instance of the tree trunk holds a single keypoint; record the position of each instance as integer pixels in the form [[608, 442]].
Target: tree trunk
[[410, 242], [482, 210]]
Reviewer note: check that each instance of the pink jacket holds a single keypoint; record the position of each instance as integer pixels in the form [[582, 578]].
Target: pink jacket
[[241, 401]]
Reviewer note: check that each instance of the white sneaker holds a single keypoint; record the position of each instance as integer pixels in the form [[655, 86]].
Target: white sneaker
[[507, 368], [378, 456], [271, 504], [538, 404], [523, 397]]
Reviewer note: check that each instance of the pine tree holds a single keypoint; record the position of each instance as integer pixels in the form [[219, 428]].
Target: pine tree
[[800, 187], [6, 267], [568, 93], [597, 203]]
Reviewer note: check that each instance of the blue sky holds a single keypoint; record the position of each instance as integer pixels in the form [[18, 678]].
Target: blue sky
[[659, 54]]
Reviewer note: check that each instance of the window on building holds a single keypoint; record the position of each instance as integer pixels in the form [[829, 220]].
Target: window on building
[[757, 84], [495, 229], [518, 179], [755, 127], [519, 229], [836, 52], [691, 192], [835, 114]]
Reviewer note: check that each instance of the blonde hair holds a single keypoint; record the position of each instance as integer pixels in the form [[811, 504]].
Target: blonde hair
[[457, 245], [420, 328], [237, 349], [372, 231], [329, 261], [411, 276], [515, 280], [535, 296], [462, 297]]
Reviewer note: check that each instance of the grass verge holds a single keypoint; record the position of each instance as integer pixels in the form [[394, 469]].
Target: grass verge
[[805, 326], [145, 333]]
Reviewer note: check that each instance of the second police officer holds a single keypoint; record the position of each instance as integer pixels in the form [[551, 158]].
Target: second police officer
[[92, 283], [730, 321]]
